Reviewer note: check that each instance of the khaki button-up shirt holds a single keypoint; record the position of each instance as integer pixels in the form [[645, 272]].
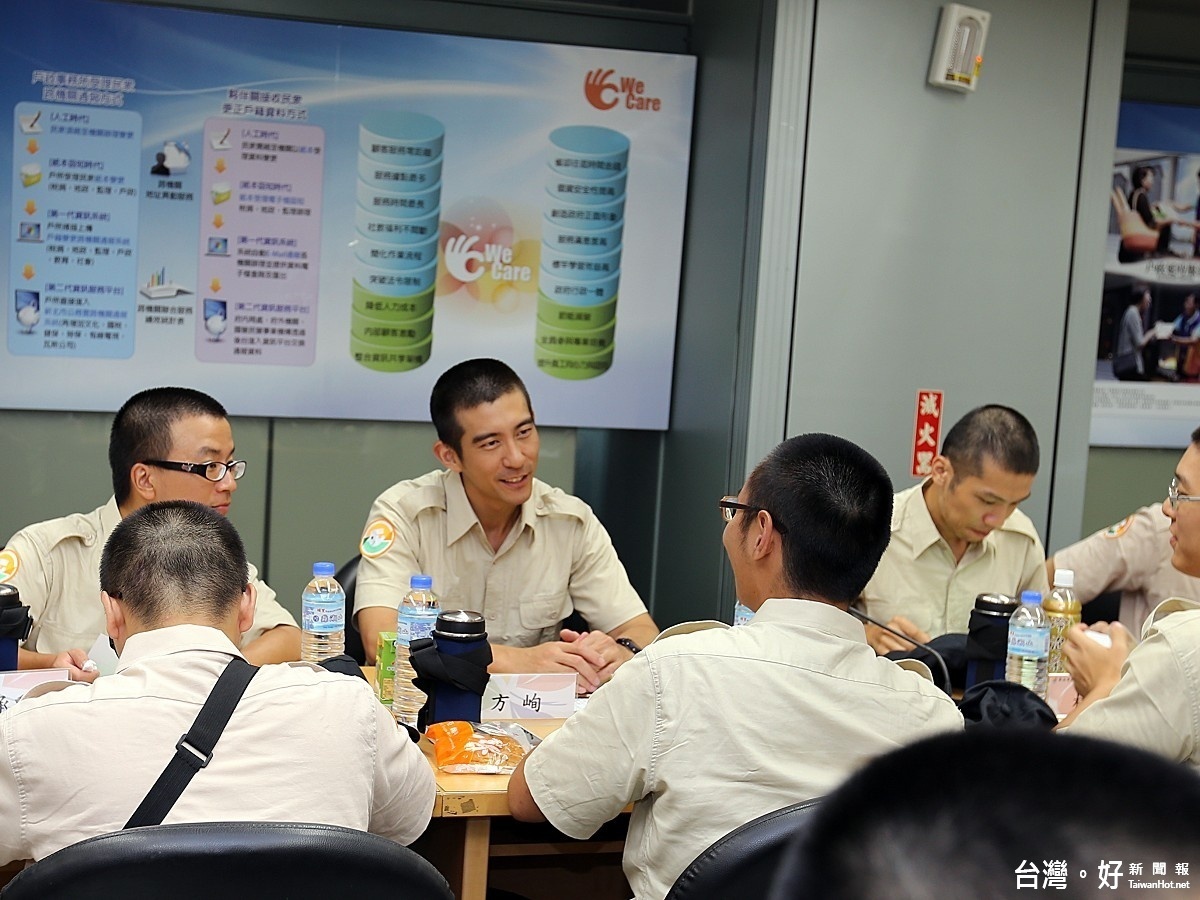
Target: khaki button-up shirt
[[919, 579], [1133, 557], [705, 731], [56, 567], [1156, 703], [555, 559]]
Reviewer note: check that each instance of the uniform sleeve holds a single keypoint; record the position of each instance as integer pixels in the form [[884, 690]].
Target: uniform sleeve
[[614, 734], [13, 844], [402, 798], [268, 613], [1033, 572], [1150, 707], [26, 567], [390, 548], [1113, 559], [600, 588]]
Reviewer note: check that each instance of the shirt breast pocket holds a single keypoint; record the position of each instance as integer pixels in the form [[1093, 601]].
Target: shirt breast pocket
[[545, 610]]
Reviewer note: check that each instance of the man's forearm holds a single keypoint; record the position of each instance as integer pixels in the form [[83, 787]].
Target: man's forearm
[[31, 659], [280, 644], [640, 629]]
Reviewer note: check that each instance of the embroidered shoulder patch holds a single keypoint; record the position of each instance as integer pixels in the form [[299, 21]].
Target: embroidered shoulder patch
[[1119, 528], [9, 563], [377, 538]]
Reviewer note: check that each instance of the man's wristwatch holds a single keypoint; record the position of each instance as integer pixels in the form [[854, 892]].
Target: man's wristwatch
[[629, 645]]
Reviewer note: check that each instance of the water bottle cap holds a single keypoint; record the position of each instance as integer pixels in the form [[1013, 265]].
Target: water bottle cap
[[421, 582], [1064, 578], [1034, 597], [323, 569]]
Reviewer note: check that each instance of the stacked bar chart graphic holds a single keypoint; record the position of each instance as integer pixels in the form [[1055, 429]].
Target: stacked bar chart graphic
[[396, 241], [580, 269]]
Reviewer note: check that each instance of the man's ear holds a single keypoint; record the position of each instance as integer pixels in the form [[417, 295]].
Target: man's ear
[[764, 529], [246, 606], [141, 482], [446, 456], [941, 470], [114, 619]]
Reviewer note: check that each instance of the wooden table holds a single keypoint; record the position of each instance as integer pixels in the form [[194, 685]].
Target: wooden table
[[472, 827]]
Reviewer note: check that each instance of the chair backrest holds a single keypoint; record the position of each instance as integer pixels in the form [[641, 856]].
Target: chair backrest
[[743, 862], [347, 577], [263, 860]]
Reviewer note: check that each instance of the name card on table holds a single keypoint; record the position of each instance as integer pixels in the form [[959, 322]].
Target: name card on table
[[14, 685], [537, 696]]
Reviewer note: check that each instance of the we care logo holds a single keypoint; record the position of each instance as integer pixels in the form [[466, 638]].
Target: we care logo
[[605, 89], [467, 263]]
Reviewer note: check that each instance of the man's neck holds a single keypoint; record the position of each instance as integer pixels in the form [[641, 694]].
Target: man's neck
[[497, 519], [931, 494]]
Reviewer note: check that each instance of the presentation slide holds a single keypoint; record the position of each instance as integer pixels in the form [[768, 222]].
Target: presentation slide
[[312, 220]]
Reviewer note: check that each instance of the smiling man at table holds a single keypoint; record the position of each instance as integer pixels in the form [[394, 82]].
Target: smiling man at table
[[498, 541], [302, 744], [704, 731], [166, 443]]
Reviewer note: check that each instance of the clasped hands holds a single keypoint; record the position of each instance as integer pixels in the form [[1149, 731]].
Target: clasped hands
[[593, 655]]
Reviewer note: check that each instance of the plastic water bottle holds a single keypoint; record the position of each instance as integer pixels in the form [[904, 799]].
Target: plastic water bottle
[[323, 615], [1029, 644], [1063, 610], [741, 613], [415, 618]]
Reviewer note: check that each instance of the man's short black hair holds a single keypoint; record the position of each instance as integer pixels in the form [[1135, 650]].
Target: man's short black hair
[[175, 556], [993, 432], [834, 500], [465, 386], [986, 802], [141, 430]]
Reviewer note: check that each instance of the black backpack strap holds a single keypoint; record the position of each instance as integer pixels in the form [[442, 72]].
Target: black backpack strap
[[194, 750]]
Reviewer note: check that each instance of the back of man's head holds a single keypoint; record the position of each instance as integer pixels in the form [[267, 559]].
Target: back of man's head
[[141, 430], [465, 386], [986, 803], [993, 432], [175, 559], [834, 502]]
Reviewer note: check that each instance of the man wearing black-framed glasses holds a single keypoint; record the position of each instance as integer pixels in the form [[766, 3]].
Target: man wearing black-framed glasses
[[710, 726], [166, 443], [1149, 695]]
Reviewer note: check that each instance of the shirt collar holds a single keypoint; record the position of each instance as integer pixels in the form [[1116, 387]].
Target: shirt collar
[[174, 639], [460, 516], [922, 531], [110, 516], [813, 614]]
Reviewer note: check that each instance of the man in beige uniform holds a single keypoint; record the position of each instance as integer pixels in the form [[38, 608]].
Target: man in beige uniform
[[165, 444], [1149, 695], [707, 730], [1133, 557], [959, 533], [498, 541], [302, 745]]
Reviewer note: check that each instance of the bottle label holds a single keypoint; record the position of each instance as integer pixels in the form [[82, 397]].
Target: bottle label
[[409, 630], [741, 614], [1024, 641], [324, 617]]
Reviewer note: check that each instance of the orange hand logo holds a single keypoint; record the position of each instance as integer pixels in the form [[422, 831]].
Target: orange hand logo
[[595, 87]]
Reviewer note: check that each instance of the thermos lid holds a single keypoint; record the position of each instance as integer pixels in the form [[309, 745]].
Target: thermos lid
[[460, 624], [996, 604], [9, 595]]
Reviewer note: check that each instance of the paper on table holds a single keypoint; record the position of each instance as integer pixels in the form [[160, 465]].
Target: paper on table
[[103, 656]]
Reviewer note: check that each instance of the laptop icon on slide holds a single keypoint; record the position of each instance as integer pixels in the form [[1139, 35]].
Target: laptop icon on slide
[[218, 246]]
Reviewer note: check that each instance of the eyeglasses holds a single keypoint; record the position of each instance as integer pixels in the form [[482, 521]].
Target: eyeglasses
[[213, 471], [729, 507], [1175, 498]]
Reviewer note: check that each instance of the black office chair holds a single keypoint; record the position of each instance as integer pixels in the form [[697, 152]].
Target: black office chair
[[263, 860], [743, 862], [347, 577]]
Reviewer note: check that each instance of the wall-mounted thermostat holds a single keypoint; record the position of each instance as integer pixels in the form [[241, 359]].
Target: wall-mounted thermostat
[[958, 50]]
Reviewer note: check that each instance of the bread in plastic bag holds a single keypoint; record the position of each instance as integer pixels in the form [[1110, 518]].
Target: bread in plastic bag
[[488, 748]]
